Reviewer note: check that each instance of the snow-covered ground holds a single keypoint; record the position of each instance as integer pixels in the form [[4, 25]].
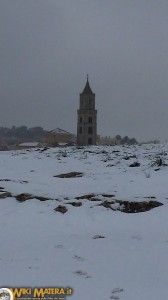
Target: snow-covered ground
[[101, 253]]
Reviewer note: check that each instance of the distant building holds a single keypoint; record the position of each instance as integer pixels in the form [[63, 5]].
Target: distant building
[[58, 137], [29, 145], [87, 118], [4, 148]]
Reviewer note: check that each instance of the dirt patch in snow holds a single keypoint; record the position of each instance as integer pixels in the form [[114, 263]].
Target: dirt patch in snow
[[70, 175]]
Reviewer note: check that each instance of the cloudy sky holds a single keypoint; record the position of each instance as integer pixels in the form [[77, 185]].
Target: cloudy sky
[[47, 47]]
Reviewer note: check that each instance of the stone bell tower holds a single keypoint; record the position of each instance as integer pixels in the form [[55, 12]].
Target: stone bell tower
[[87, 118]]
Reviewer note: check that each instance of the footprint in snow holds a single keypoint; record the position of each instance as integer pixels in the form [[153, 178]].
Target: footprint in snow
[[79, 258], [34, 268], [59, 246], [98, 236], [116, 291], [136, 237], [82, 274]]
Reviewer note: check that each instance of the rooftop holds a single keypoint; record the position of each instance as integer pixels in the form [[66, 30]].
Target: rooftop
[[59, 130], [87, 88]]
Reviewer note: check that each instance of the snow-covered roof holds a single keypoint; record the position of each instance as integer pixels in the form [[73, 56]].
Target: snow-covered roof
[[30, 144], [59, 130]]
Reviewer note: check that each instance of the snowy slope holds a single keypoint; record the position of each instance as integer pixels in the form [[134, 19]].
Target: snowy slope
[[100, 253]]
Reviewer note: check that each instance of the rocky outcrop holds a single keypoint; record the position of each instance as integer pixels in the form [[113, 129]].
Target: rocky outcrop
[[70, 175], [61, 208], [130, 206]]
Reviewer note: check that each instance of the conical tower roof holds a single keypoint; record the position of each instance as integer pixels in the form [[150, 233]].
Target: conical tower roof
[[87, 89]]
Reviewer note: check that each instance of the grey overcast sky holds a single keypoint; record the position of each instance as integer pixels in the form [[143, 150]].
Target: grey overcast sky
[[48, 46]]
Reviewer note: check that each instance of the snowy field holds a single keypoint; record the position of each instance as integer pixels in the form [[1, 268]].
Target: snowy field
[[101, 252]]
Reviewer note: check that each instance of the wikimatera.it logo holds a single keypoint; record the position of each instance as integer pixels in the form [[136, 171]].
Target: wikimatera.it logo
[[36, 293]]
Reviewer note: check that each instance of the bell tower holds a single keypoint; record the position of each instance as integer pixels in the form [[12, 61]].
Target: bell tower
[[87, 117]]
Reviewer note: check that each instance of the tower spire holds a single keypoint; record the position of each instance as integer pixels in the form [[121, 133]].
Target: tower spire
[[87, 88]]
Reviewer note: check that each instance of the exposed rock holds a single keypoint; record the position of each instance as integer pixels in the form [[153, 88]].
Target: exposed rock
[[107, 204], [41, 198], [135, 164], [70, 175], [131, 207], [137, 207], [5, 195], [61, 208], [87, 196], [76, 204], [23, 197], [108, 195], [94, 197], [44, 149]]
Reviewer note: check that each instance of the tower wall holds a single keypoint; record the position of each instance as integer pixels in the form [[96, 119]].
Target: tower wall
[[87, 118]]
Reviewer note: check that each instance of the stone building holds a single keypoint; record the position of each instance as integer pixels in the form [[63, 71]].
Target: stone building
[[58, 137], [87, 118]]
